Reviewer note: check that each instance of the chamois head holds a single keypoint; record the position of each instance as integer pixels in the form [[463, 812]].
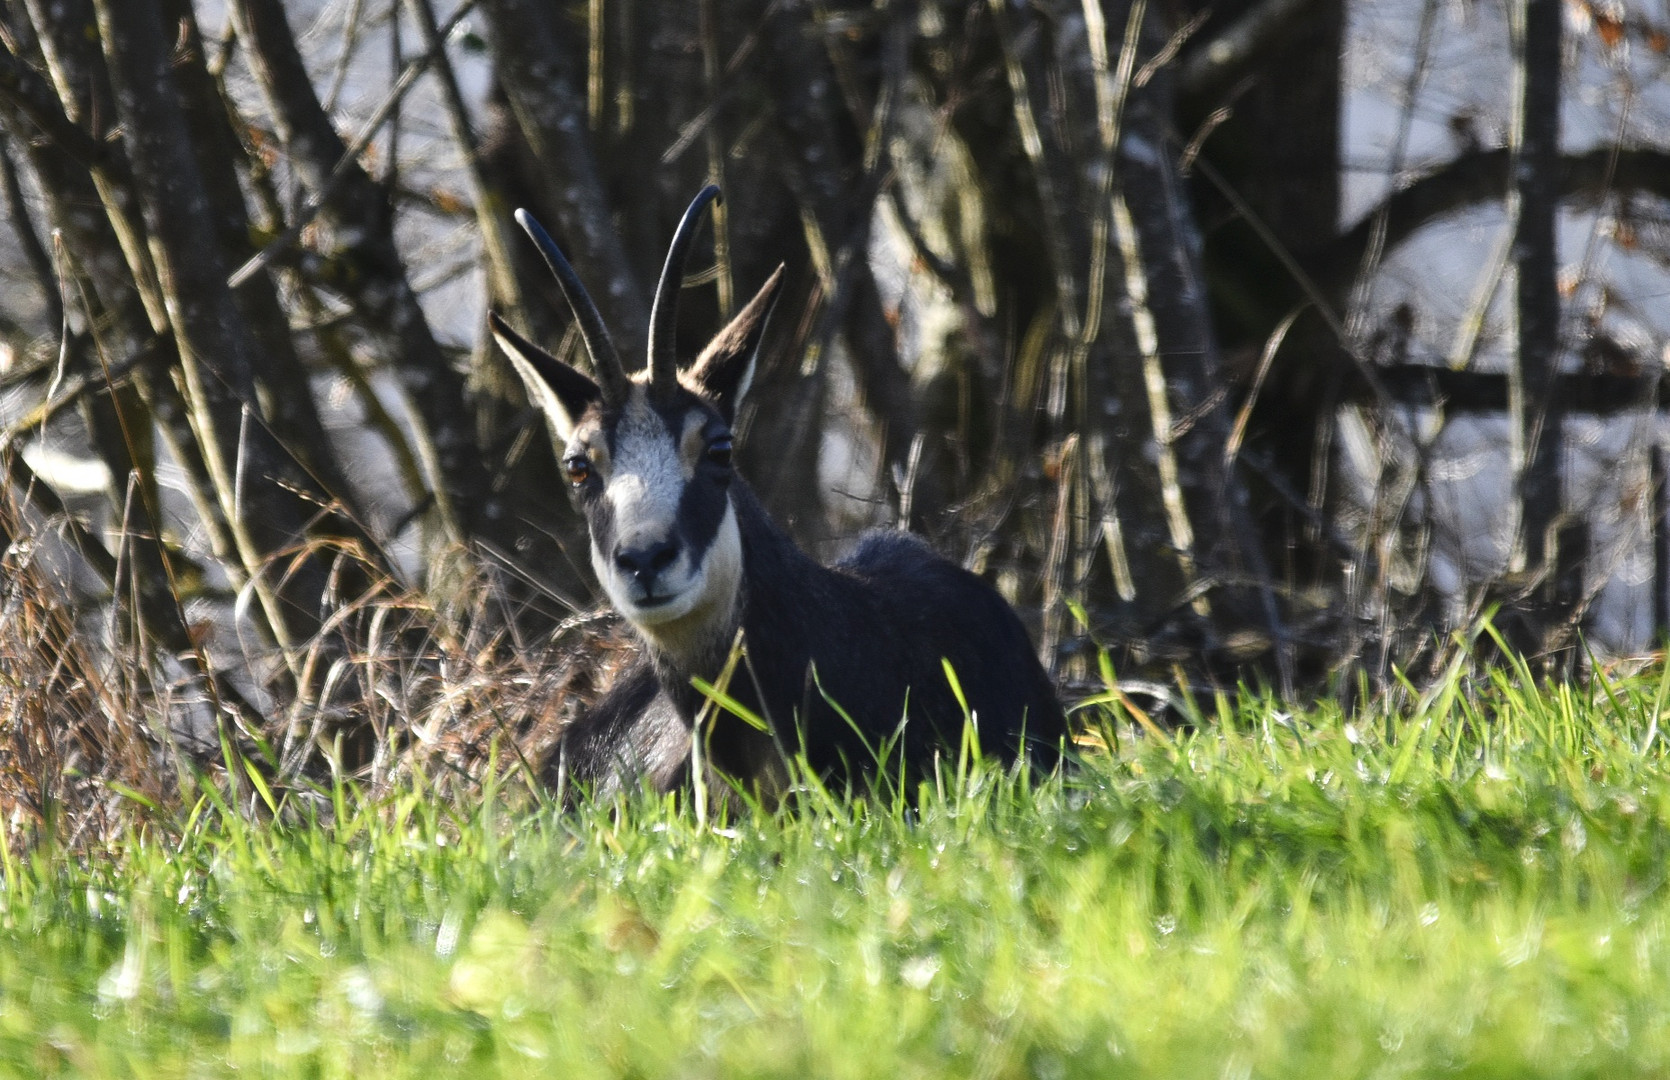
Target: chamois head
[[648, 454]]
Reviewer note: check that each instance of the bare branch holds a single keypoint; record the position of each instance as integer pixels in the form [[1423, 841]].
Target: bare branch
[[1483, 177]]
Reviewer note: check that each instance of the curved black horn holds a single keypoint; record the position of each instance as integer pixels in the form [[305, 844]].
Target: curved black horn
[[663, 314], [605, 362]]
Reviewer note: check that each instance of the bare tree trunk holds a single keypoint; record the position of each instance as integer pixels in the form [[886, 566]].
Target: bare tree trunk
[[269, 498], [539, 78], [290, 409], [1536, 261], [834, 105], [369, 271], [107, 303]]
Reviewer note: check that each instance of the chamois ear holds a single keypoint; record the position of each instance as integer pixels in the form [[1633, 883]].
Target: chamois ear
[[725, 369], [561, 393]]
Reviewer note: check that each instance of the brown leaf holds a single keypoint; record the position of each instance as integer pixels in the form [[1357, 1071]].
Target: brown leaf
[[446, 202], [1610, 30]]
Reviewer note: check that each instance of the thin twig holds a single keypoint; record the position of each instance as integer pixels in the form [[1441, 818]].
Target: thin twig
[[350, 44], [408, 75]]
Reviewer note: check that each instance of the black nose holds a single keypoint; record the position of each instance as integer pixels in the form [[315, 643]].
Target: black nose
[[646, 561]]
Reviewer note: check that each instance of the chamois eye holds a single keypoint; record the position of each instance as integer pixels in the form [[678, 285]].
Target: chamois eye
[[577, 469], [719, 451]]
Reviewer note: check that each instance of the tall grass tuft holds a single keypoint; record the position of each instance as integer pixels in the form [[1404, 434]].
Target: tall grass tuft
[[77, 763]]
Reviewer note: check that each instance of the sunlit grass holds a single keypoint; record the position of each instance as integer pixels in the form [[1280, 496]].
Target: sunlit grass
[[1472, 882]]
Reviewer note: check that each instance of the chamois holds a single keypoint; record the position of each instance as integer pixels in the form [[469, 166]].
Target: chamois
[[838, 660]]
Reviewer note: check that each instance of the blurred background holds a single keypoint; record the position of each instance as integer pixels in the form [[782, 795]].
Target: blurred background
[[1265, 341]]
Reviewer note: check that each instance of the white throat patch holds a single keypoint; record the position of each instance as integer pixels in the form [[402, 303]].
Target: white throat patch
[[705, 613]]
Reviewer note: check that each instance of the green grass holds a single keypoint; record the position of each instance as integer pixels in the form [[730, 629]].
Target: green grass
[[1472, 884]]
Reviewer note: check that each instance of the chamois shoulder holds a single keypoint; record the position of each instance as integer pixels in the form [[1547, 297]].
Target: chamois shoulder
[[904, 568], [889, 551]]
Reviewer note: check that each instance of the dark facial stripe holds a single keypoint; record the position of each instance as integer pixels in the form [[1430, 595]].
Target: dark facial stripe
[[702, 503], [600, 520], [701, 508]]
